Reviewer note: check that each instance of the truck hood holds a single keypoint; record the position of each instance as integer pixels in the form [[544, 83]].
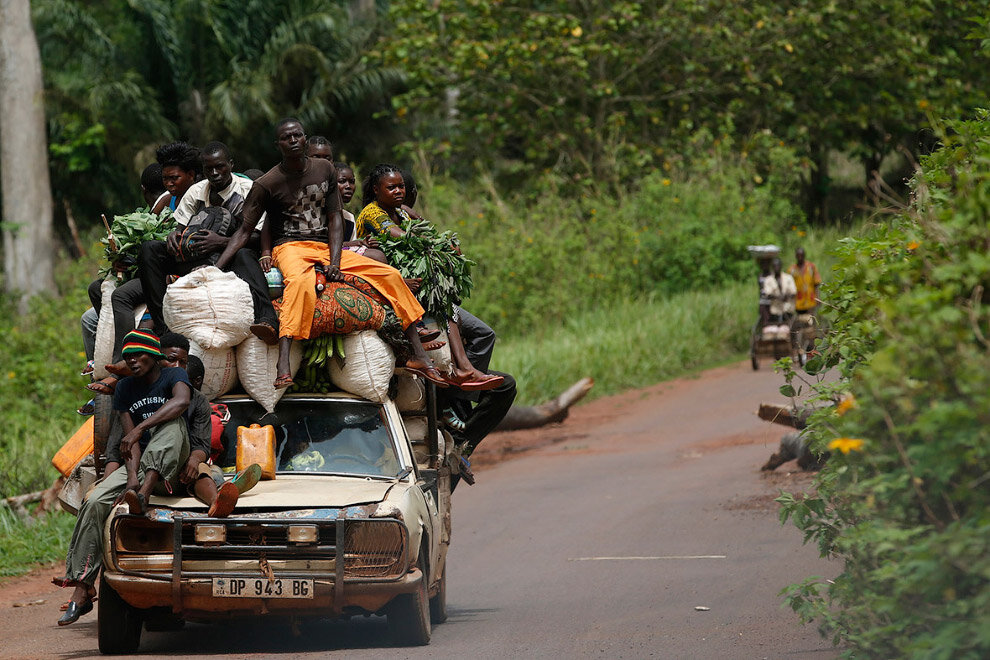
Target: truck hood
[[297, 492]]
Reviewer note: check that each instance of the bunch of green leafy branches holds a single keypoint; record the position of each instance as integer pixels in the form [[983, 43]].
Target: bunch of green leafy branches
[[433, 256], [904, 501], [128, 232]]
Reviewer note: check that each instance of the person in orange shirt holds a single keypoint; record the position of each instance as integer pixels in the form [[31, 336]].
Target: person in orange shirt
[[807, 279]]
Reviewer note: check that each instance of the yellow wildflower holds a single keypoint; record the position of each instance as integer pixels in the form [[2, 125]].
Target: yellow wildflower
[[847, 403], [666, 182], [11, 375], [789, 48], [577, 31], [401, 112], [760, 24], [923, 104], [913, 245], [801, 233], [757, 179], [846, 445]]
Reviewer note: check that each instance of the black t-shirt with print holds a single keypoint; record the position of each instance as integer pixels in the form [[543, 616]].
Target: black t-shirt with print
[[142, 401]]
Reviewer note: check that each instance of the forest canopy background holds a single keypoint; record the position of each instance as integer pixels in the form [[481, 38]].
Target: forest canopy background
[[593, 95]]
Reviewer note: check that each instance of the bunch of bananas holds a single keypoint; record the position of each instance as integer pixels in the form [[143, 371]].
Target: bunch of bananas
[[314, 374]]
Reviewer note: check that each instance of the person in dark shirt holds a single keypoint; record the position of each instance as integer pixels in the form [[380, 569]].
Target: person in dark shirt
[[150, 404]]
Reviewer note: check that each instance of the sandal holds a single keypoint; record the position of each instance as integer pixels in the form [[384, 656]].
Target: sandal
[[283, 381], [428, 372], [434, 345], [468, 384], [87, 409], [90, 366], [467, 474], [117, 370], [105, 386], [451, 419], [265, 332], [136, 503], [425, 334]]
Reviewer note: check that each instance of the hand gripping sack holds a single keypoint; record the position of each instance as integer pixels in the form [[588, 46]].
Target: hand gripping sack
[[257, 368], [220, 365], [210, 307], [368, 367]]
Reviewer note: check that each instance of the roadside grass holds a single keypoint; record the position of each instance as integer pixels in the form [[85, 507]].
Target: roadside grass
[[633, 343], [23, 547]]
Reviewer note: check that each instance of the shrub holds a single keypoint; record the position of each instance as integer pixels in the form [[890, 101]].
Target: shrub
[[906, 508]]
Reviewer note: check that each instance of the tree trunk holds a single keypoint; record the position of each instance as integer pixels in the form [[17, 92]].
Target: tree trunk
[[24, 180]]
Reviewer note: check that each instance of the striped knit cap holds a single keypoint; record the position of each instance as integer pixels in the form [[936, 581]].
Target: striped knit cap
[[142, 341]]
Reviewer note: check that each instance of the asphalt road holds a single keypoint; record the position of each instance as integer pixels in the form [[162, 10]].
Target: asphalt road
[[600, 544]]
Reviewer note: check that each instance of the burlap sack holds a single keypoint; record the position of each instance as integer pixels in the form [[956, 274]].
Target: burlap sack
[[257, 368], [221, 369], [210, 307], [411, 395], [103, 350], [368, 367]]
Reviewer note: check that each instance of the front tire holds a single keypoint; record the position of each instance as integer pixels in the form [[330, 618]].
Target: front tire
[[118, 623], [438, 604], [409, 614]]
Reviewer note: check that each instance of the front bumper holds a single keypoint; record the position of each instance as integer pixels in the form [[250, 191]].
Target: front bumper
[[356, 563], [195, 597]]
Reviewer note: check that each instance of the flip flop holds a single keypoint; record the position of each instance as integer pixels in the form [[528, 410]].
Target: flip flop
[[136, 504], [427, 335], [116, 370], [247, 478], [105, 386], [283, 381], [226, 501], [429, 373], [88, 369], [87, 409]]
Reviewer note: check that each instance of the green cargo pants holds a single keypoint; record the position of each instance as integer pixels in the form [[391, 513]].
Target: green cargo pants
[[166, 453]]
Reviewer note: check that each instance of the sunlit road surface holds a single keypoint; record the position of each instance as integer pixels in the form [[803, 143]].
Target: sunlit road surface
[[602, 545]]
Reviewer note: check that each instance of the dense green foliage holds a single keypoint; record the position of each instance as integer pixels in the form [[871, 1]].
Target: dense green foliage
[[598, 94], [598, 91], [543, 254], [908, 509]]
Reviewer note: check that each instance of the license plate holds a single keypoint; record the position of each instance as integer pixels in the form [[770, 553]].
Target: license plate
[[262, 588]]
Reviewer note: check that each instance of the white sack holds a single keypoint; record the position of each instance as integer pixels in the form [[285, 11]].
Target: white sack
[[368, 367], [257, 368], [221, 369], [411, 395], [210, 307], [103, 350], [441, 357]]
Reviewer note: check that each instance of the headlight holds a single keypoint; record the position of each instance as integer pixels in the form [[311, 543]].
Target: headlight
[[375, 549], [140, 535]]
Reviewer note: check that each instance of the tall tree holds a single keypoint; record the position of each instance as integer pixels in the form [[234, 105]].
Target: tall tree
[[27, 195]]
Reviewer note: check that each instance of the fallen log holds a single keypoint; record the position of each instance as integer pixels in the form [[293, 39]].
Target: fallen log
[[550, 412]]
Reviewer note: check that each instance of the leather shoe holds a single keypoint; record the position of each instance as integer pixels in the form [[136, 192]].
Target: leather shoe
[[74, 611]]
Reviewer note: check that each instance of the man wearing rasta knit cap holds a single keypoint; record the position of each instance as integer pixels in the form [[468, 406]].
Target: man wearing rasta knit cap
[[155, 447]]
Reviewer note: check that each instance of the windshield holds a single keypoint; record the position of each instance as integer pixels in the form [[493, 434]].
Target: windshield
[[326, 436]]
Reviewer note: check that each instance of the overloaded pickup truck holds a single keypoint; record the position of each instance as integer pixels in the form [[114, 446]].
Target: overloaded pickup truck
[[356, 522]]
